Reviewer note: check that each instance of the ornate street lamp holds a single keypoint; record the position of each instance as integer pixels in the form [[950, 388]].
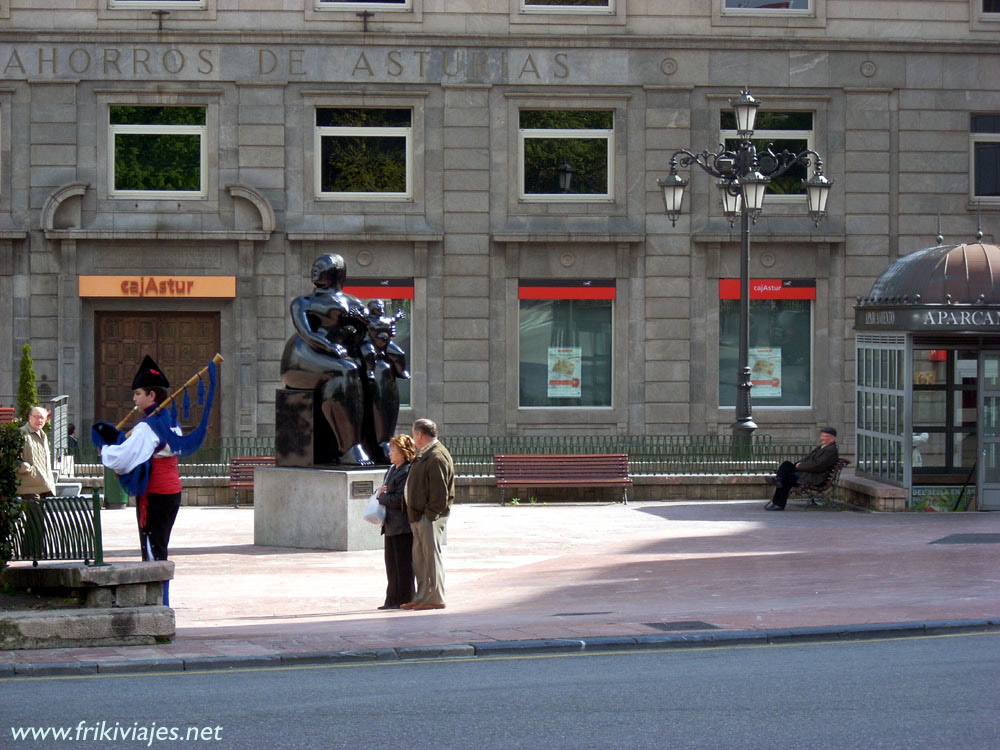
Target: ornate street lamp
[[743, 175]]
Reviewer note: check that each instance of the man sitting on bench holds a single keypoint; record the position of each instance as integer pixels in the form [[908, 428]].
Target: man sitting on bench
[[811, 470]]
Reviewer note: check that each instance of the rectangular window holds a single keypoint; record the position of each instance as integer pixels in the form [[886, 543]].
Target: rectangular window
[[364, 154], [777, 131], [185, 4], [566, 154], [985, 155], [567, 6], [945, 413], [565, 343], [157, 152], [764, 6], [395, 296], [780, 344], [991, 6], [381, 5]]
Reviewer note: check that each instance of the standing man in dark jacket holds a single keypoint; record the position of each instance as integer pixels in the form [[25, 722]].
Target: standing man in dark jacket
[[811, 470], [430, 491]]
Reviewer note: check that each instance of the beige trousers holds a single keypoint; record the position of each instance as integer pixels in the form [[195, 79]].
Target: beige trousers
[[428, 567]]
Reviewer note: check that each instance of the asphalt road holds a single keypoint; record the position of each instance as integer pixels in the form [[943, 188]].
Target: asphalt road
[[935, 692]]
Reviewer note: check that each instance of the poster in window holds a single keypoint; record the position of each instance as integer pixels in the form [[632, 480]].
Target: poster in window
[[564, 371], [765, 372]]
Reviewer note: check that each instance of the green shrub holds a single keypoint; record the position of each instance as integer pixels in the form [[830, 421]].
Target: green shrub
[[11, 444]]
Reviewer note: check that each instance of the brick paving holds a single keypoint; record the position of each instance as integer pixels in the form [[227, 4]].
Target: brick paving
[[562, 571]]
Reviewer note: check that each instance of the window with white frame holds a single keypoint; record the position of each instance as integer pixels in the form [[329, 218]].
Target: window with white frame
[[779, 131], [364, 153], [991, 6], [567, 6], [363, 4], [565, 343], [164, 4], [767, 6], [780, 344], [566, 154], [985, 157], [157, 152]]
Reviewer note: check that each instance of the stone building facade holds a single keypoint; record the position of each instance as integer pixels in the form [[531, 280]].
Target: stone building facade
[[509, 281]]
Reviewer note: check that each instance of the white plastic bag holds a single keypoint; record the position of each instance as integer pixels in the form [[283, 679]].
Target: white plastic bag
[[374, 511]]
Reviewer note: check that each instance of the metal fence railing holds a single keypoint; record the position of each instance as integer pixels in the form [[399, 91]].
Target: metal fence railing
[[473, 455], [648, 454], [211, 460]]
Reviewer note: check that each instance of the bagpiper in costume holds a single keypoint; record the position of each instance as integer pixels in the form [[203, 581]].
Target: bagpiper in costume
[[145, 460]]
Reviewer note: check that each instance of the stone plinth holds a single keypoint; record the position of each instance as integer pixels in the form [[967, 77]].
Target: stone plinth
[[315, 508], [303, 437], [123, 606]]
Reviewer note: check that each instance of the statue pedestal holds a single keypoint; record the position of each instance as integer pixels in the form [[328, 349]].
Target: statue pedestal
[[315, 508]]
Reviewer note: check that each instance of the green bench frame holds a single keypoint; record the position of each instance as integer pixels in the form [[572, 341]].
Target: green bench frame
[[59, 528]]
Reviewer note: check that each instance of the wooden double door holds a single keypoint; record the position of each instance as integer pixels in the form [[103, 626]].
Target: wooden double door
[[181, 343]]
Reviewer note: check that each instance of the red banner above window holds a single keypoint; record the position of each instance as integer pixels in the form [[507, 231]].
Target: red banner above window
[[770, 289], [559, 289], [380, 288]]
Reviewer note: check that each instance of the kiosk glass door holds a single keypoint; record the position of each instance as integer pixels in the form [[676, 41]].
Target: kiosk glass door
[[989, 440]]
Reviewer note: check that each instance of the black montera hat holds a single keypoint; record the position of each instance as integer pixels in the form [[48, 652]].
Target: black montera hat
[[149, 375], [830, 430]]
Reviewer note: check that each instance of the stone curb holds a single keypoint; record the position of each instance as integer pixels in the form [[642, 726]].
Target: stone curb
[[594, 644]]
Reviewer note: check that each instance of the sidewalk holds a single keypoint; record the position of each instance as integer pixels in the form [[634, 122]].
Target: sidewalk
[[517, 574]]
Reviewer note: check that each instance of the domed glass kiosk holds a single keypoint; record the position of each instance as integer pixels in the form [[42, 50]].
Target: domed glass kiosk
[[928, 378]]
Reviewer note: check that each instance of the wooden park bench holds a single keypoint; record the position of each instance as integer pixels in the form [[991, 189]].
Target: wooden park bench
[[59, 528], [6, 414], [241, 473], [820, 494], [562, 470]]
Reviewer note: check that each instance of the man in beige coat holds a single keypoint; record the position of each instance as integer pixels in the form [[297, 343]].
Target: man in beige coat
[[35, 471], [430, 491]]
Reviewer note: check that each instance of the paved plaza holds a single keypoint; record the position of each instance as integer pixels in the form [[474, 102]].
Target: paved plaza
[[562, 571]]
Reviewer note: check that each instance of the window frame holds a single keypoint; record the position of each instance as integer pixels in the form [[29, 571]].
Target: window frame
[[813, 311], [541, 7], [980, 19], [767, 136], [134, 10], [567, 134], [346, 13], [974, 139], [164, 4], [319, 132], [361, 5], [200, 130], [815, 17], [770, 12], [614, 14], [612, 381]]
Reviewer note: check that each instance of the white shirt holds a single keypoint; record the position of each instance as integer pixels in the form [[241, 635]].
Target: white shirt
[[137, 448]]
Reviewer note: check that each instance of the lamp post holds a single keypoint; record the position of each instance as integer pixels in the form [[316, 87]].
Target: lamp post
[[565, 171], [743, 173]]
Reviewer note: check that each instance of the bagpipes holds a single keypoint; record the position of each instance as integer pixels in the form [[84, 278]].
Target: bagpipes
[[162, 422]]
